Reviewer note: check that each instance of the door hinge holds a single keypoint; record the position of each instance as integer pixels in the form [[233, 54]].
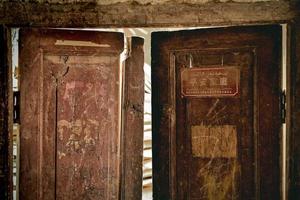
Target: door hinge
[[16, 107], [283, 106]]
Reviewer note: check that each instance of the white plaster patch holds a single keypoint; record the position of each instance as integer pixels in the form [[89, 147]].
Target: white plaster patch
[[79, 43]]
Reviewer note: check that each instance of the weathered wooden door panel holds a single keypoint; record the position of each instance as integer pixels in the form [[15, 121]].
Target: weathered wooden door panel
[[216, 120], [70, 114]]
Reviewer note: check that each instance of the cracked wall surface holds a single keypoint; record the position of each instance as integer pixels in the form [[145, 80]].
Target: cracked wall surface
[[143, 13]]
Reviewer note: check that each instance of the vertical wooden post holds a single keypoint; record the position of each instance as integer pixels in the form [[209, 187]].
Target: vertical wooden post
[[5, 95], [294, 138], [133, 121]]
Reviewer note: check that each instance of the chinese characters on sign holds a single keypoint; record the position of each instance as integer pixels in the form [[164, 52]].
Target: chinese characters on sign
[[210, 82]]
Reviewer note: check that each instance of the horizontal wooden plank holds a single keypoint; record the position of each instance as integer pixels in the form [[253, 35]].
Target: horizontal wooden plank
[[132, 14]]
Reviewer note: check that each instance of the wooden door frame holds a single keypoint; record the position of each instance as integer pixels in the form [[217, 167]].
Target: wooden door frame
[[6, 120], [169, 14]]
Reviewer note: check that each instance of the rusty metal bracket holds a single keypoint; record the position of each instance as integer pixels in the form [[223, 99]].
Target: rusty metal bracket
[[283, 106], [16, 107]]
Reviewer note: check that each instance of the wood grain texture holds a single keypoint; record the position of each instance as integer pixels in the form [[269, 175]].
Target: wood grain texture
[[256, 170], [214, 141], [133, 14], [89, 15], [294, 112], [5, 117], [70, 139], [133, 121]]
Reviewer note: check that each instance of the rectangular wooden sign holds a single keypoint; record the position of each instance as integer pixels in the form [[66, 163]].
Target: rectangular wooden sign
[[210, 82]]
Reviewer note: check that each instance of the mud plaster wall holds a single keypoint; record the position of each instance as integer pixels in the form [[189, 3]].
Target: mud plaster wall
[[143, 13], [107, 2]]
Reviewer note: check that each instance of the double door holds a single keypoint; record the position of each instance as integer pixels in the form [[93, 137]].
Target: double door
[[216, 115]]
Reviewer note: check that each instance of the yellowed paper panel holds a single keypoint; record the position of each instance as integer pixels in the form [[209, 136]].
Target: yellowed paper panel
[[214, 141]]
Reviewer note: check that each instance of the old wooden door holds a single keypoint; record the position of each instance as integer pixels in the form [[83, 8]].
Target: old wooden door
[[71, 115], [216, 116]]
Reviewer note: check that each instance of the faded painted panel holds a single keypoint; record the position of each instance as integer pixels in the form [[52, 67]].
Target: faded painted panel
[[87, 126], [215, 171], [214, 141], [70, 116]]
